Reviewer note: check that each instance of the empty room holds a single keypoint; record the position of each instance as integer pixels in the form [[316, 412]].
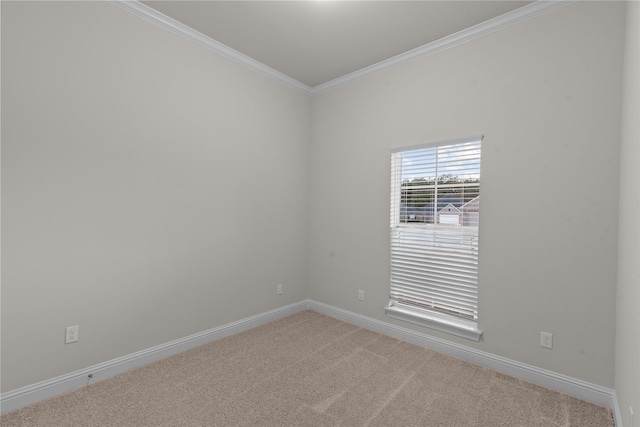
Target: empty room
[[226, 213]]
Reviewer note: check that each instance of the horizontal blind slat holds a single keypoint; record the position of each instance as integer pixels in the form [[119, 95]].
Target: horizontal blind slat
[[438, 296]]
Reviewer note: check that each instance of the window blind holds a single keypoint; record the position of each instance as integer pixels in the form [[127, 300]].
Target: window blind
[[435, 207]]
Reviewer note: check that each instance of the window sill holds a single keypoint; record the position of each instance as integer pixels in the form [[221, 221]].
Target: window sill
[[440, 322]]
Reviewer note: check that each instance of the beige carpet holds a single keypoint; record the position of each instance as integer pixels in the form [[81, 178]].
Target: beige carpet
[[311, 370]]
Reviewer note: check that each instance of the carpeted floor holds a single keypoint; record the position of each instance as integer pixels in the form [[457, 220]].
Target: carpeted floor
[[311, 370]]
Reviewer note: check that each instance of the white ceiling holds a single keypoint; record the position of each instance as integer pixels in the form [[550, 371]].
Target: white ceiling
[[316, 41]]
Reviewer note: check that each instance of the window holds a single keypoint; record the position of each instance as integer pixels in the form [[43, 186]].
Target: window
[[435, 212]]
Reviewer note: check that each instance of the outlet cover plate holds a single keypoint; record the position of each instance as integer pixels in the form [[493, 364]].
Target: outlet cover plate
[[546, 340], [71, 334]]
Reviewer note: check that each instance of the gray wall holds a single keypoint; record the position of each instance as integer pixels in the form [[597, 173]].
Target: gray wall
[[546, 94], [150, 188], [627, 368]]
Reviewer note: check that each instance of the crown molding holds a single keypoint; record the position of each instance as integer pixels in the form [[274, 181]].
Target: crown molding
[[513, 17], [142, 10], [521, 14]]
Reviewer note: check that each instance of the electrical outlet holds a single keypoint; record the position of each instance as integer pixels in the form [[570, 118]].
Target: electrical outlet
[[546, 340], [360, 294], [279, 290], [71, 334]]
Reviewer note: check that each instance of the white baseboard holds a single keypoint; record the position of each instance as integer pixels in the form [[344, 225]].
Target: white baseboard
[[552, 380], [28, 395], [46, 389], [617, 415]]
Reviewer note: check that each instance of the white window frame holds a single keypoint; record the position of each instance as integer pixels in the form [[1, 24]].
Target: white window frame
[[431, 318]]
